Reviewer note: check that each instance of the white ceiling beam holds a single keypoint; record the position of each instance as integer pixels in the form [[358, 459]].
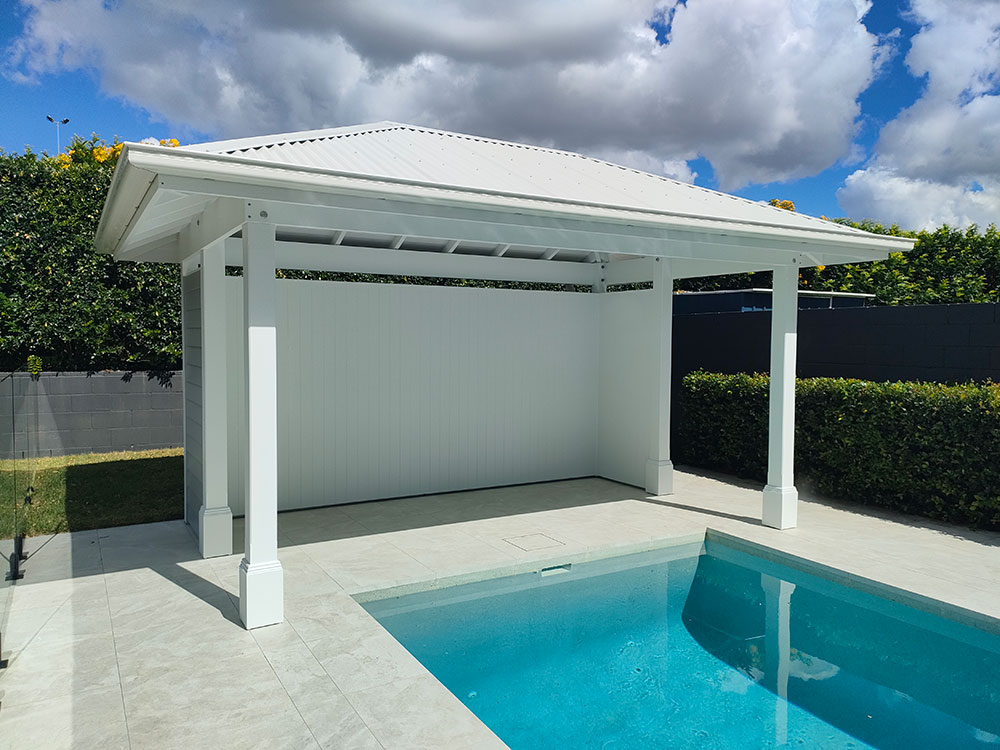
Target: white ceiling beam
[[338, 238], [308, 256], [218, 221], [397, 241], [501, 250], [686, 268], [634, 271], [139, 243], [156, 251], [550, 253], [450, 247], [190, 264]]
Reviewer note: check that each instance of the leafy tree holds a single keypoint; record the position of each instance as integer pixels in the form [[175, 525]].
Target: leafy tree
[[59, 299], [947, 265], [787, 205]]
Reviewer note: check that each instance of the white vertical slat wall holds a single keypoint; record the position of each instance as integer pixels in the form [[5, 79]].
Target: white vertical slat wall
[[191, 337], [626, 386], [388, 390]]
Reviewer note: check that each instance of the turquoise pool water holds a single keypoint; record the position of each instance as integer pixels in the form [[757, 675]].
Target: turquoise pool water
[[677, 649]]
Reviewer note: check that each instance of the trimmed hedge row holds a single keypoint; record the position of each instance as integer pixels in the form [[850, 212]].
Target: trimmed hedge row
[[923, 448]]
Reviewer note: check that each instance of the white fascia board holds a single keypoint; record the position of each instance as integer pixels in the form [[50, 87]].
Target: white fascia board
[[247, 173], [311, 256], [132, 188]]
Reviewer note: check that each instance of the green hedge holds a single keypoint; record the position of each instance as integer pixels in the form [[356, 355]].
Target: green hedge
[[59, 299], [922, 448]]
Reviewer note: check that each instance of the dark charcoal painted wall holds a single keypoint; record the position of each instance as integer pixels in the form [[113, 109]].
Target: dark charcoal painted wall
[[944, 343], [61, 414]]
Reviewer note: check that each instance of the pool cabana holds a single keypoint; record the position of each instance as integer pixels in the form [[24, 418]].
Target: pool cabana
[[308, 393]]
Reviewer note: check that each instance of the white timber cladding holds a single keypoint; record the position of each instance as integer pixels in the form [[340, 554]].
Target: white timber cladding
[[193, 451], [388, 390], [626, 385]]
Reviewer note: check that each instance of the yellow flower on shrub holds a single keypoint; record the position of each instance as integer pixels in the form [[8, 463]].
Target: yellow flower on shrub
[[170, 142], [64, 160]]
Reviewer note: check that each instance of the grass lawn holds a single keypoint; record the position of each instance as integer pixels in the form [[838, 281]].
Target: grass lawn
[[91, 491]]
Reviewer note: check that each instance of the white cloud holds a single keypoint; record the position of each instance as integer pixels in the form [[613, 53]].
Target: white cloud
[[939, 160], [765, 89], [677, 169], [915, 203]]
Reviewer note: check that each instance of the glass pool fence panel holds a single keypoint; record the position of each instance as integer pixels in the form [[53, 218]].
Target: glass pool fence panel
[[7, 500], [19, 393]]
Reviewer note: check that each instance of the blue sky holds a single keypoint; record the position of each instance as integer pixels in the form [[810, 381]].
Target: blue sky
[[75, 94], [840, 107]]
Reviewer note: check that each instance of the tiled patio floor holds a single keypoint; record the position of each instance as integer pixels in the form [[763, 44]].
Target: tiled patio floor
[[124, 638]]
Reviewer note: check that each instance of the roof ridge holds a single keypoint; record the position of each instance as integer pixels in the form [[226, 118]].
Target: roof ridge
[[252, 143]]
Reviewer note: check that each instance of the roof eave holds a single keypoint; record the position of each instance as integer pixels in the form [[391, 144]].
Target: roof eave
[[130, 185], [236, 170]]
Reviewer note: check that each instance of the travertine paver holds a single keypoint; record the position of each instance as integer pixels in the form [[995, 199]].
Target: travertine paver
[[125, 638]]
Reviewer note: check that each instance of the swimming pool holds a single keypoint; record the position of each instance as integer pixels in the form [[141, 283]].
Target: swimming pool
[[701, 646]]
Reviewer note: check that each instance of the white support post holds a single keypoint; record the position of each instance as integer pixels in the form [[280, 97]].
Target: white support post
[[781, 499], [215, 519], [261, 578], [188, 453], [659, 468]]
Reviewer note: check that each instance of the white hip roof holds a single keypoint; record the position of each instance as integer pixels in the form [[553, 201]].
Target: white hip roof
[[402, 187]]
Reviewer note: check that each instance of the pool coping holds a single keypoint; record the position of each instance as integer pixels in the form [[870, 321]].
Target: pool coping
[[528, 566], [897, 594]]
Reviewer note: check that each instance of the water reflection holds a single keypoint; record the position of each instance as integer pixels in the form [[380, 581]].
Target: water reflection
[[876, 670]]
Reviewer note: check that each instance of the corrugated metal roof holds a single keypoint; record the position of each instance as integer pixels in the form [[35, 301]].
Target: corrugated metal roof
[[407, 152]]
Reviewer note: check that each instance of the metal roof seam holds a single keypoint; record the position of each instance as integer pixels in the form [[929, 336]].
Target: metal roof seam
[[510, 144]]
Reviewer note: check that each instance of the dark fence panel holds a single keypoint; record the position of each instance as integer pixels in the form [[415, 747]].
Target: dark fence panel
[[941, 343]]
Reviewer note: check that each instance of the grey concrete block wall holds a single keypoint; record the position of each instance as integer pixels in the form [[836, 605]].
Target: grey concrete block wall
[[66, 413]]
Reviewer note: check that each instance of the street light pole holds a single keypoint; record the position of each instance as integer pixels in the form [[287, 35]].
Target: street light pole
[[58, 124]]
